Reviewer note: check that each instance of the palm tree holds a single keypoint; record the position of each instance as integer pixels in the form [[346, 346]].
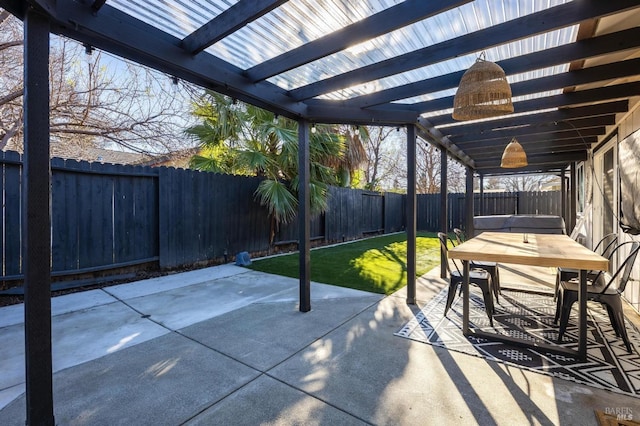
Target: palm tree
[[355, 154], [247, 140]]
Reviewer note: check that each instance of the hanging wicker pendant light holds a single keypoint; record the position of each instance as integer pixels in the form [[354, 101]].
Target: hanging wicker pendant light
[[513, 156], [483, 92]]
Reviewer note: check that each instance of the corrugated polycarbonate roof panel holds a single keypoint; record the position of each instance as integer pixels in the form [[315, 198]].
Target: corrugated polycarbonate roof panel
[[176, 17], [291, 25], [496, 54], [298, 22], [445, 26]]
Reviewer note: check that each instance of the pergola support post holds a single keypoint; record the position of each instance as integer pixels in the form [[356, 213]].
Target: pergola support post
[[411, 214], [468, 203], [481, 195], [444, 211], [304, 220], [563, 196], [36, 222]]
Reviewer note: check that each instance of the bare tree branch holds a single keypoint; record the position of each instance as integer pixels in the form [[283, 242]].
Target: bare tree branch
[[9, 44], [10, 133], [11, 96], [92, 102]]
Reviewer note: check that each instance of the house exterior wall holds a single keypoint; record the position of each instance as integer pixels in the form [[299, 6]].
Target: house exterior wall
[[628, 127]]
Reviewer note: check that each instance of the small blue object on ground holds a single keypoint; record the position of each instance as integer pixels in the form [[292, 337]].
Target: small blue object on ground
[[243, 259]]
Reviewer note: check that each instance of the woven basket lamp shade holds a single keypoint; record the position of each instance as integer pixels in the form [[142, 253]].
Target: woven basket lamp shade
[[513, 156], [483, 92]]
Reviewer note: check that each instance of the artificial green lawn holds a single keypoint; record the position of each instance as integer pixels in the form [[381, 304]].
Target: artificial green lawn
[[376, 264]]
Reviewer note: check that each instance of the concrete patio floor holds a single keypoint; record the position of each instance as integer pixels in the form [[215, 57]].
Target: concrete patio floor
[[227, 345]]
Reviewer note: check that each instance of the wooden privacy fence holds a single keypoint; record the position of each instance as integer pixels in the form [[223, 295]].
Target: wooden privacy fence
[[352, 214], [107, 216], [429, 207], [102, 214], [494, 203]]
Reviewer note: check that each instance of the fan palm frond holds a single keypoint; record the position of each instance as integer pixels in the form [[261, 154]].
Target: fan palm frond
[[278, 200]]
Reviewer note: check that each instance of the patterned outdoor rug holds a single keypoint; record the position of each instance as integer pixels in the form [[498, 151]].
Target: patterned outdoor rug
[[530, 316]]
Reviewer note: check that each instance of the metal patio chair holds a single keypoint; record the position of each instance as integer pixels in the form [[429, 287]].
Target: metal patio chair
[[605, 247], [490, 267], [478, 277], [601, 290]]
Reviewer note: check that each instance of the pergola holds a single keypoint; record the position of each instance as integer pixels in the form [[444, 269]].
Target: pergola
[[574, 69]]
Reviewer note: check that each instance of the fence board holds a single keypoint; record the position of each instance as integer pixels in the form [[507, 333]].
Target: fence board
[[168, 234], [242, 219], [164, 237], [356, 227], [346, 222], [372, 212], [234, 191], [82, 211], [86, 211], [228, 214], [204, 249], [333, 221], [133, 234], [183, 216], [145, 224], [219, 189], [102, 218], [123, 216], [64, 223], [394, 212], [191, 223], [12, 215]]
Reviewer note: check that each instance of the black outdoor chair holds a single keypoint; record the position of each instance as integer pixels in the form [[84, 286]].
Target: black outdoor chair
[[605, 248], [478, 277], [460, 237], [490, 267], [600, 290]]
